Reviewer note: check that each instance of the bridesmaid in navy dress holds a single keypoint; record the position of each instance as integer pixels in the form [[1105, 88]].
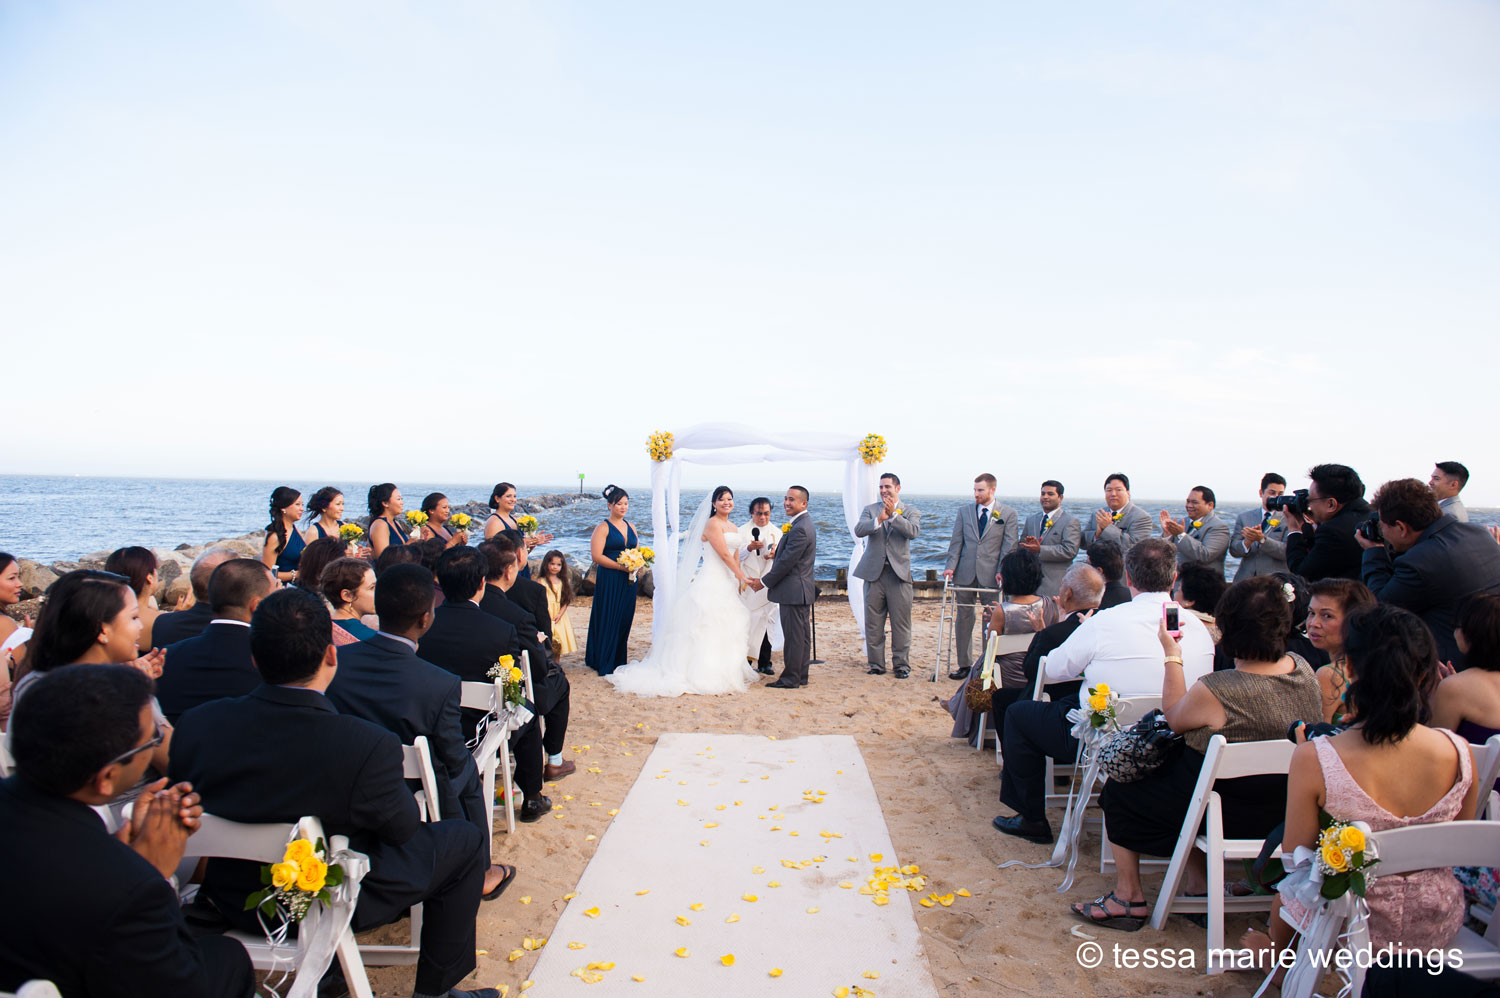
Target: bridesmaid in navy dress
[[325, 512], [385, 527], [284, 542], [613, 610]]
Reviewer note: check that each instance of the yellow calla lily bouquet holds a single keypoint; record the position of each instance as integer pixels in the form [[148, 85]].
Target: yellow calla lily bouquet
[[302, 877]]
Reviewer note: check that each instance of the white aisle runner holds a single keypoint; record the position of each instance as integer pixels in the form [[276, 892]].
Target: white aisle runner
[[676, 872]]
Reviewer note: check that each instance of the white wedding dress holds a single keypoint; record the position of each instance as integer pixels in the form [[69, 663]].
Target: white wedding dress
[[702, 645]]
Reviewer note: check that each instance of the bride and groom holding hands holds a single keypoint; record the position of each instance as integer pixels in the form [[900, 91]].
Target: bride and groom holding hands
[[725, 575]]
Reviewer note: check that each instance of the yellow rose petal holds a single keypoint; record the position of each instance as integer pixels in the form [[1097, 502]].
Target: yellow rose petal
[[592, 912], [526, 984], [712, 824], [526, 899], [876, 857], [846, 885], [946, 900], [719, 807], [774, 972], [637, 977], [681, 951], [614, 811], [963, 893], [704, 842], [757, 869], [925, 902], [646, 891], [748, 897], [577, 945], [681, 920], [732, 919], [696, 907], [870, 975], [515, 955], [590, 838], [813, 910], [882, 901], [570, 895], [774, 883], [727, 959], [840, 992]]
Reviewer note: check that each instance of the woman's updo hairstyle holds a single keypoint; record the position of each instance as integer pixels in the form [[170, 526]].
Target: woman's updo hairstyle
[[282, 497], [321, 500], [5, 559], [499, 490], [430, 503], [1255, 619], [613, 494], [1301, 597], [135, 563], [1479, 619], [379, 496], [316, 557], [719, 493], [77, 607], [1395, 665], [340, 574], [1021, 571]]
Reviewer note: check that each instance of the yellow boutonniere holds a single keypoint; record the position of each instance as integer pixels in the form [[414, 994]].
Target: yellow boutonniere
[[1197, 524], [1116, 516], [995, 515], [898, 512], [1274, 521], [785, 527], [1047, 524]]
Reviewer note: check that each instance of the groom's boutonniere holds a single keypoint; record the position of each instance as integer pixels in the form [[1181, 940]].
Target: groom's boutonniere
[[1116, 516], [1047, 524], [995, 515], [898, 512], [1197, 524], [785, 527]]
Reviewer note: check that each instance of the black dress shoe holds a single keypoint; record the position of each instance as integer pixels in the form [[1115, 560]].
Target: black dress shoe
[[534, 807], [1032, 831], [781, 684], [902, 672], [875, 670], [959, 673], [765, 670]]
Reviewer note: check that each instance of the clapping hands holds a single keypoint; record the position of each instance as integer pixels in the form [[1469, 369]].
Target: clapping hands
[[1169, 526], [152, 662], [160, 822]]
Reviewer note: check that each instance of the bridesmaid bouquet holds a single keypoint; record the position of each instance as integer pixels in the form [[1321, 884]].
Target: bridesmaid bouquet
[[528, 524], [460, 521], [416, 518], [635, 559], [350, 533]]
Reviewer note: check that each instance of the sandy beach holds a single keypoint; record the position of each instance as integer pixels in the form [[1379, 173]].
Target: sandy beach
[[1012, 937]]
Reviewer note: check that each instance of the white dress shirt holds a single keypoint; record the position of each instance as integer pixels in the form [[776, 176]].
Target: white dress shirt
[[1119, 646]]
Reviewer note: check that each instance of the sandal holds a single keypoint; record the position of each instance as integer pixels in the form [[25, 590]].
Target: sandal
[[1125, 923], [510, 874]]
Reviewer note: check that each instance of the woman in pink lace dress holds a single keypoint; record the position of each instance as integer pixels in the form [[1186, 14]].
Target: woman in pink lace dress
[[1390, 770]]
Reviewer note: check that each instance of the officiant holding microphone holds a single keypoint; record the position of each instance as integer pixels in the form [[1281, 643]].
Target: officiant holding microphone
[[757, 549]]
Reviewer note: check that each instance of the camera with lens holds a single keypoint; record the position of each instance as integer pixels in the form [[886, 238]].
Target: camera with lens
[[1295, 501], [1370, 529]]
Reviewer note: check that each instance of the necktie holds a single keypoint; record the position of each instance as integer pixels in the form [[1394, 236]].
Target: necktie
[[984, 521]]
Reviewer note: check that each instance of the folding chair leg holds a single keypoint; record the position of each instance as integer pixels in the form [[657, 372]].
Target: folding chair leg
[[1215, 879], [353, 967], [979, 738], [488, 779], [510, 812]]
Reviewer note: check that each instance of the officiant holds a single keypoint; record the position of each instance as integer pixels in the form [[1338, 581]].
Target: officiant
[[757, 549]]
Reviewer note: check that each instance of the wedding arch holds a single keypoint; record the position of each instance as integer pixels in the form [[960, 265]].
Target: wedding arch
[[731, 443]]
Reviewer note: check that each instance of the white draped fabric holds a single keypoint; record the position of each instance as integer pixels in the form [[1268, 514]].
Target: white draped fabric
[[731, 443]]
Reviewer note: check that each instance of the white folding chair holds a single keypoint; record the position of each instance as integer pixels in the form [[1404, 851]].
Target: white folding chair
[[34, 989], [493, 747], [1486, 770], [1222, 761], [1130, 710], [7, 762], [220, 838], [416, 764], [1052, 769], [1404, 850]]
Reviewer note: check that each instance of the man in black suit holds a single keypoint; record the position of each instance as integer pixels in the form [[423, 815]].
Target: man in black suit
[[468, 642], [1106, 557], [1438, 562], [180, 625], [283, 752], [217, 662], [502, 568], [1322, 545], [382, 680], [87, 911], [529, 594]]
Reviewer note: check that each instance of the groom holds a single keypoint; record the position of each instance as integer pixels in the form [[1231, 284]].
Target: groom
[[789, 582]]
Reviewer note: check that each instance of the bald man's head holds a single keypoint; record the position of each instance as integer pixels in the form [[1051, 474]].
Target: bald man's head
[[203, 569]]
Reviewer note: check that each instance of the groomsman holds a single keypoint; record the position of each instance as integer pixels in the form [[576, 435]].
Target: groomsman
[[1447, 481], [757, 548], [1121, 520], [1203, 536], [982, 535], [1258, 539], [886, 568], [1054, 534]]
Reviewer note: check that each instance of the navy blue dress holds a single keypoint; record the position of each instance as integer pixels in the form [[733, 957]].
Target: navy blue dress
[[398, 537], [290, 555], [323, 533], [613, 610]]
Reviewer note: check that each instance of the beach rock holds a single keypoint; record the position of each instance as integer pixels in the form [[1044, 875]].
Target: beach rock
[[645, 584], [64, 567], [26, 608], [36, 578], [167, 572]]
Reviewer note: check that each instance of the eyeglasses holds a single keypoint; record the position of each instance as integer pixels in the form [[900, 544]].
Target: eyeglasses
[[156, 738]]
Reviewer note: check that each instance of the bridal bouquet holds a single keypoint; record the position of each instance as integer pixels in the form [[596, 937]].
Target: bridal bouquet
[[416, 518], [460, 521], [350, 533], [505, 668], [528, 524], [292, 885], [635, 559]]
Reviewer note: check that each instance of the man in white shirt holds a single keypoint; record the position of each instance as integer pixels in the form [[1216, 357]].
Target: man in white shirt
[[757, 548], [1118, 646]]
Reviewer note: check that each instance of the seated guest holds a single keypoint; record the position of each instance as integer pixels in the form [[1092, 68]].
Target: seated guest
[[83, 735], [386, 526], [138, 565], [394, 555], [502, 568], [383, 681], [1299, 597], [439, 511], [1202, 538], [217, 662], [1082, 588], [1257, 700], [344, 770], [529, 594], [468, 642], [284, 542], [315, 557], [1468, 702], [1447, 481], [348, 584], [430, 551], [1332, 602], [1118, 647], [1434, 563], [1106, 557], [1198, 589], [13, 636], [179, 625], [1388, 764]]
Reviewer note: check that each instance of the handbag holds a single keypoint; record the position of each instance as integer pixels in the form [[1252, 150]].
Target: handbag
[[1139, 750]]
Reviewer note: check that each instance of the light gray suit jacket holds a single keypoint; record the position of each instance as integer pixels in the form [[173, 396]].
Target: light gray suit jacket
[[1205, 545], [888, 541], [1455, 508], [1266, 557], [1130, 529], [790, 577], [972, 559], [1059, 546]]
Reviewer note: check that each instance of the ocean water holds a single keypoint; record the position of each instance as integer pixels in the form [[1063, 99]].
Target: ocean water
[[62, 518]]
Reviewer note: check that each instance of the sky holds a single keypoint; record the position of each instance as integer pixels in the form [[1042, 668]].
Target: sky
[[1191, 241]]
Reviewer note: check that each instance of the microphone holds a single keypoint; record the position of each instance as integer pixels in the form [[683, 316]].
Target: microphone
[[755, 533]]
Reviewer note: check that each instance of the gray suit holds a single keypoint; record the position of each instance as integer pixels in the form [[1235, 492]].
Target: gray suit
[[973, 558], [1266, 557], [886, 568], [1059, 546], [1455, 508], [789, 582], [1133, 526], [1205, 545]]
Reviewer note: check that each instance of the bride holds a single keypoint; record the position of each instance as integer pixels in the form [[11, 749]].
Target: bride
[[701, 644]]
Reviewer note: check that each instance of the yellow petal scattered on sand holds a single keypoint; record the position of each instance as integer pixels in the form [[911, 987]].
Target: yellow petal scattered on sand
[[712, 824], [592, 912], [515, 955], [526, 899], [596, 803], [526, 984], [528, 944], [925, 902], [630, 753], [640, 892], [704, 842], [727, 959], [681, 802], [613, 811], [774, 883], [911, 871], [590, 838], [577, 945], [732, 919], [846, 885], [757, 869], [813, 910], [504, 990], [748, 897], [570, 895], [840, 992], [681, 951], [774, 972], [637, 977], [481, 952], [882, 901], [963, 893], [876, 857], [595, 769], [718, 807], [683, 920], [946, 900], [567, 796], [696, 907], [871, 975]]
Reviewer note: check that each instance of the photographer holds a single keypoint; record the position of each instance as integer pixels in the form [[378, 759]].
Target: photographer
[[1320, 524], [1437, 564]]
